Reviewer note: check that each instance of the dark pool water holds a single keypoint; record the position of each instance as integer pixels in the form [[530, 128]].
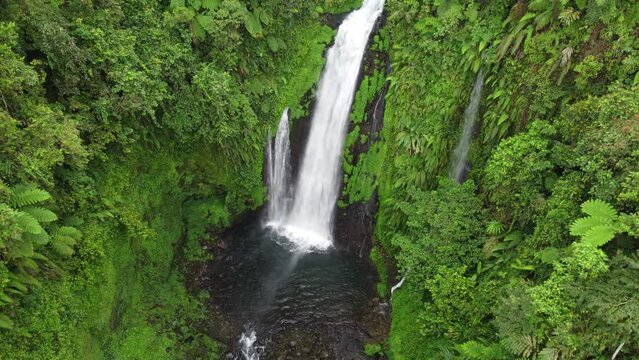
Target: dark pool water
[[300, 306]]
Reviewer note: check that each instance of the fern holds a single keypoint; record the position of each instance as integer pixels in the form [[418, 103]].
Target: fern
[[29, 224], [41, 214], [69, 231], [548, 354], [524, 345], [27, 195], [494, 228], [598, 208], [63, 244], [474, 350], [5, 322], [600, 235], [36, 239], [580, 227], [600, 226]]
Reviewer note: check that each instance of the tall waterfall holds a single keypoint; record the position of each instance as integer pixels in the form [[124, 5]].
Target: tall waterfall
[[309, 220], [460, 156], [278, 173]]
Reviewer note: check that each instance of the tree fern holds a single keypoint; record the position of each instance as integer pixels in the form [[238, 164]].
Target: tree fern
[[600, 226], [41, 214], [600, 235], [69, 231], [474, 350], [598, 208], [27, 195], [524, 345], [29, 224], [62, 243]]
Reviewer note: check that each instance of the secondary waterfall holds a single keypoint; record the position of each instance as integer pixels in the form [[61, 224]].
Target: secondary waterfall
[[460, 156], [278, 171], [309, 220]]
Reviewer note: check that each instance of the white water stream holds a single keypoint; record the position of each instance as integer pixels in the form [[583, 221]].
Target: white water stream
[[278, 173], [308, 223], [459, 168]]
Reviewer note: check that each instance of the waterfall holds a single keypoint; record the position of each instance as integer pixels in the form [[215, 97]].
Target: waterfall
[[459, 168], [309, 220], [247, 346], [278, 171]]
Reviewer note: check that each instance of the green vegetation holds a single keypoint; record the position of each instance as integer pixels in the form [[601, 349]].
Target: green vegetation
[[505, 265], [130, 133]]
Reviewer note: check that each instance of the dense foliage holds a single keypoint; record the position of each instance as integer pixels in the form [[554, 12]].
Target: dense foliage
[[129, 129], [535, 256]]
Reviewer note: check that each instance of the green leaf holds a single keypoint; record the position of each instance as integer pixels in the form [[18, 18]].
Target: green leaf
[[18, 286], [28, 195], [581, 4], [281, 43], [198, 31], [599, 235], [539, 5], [6, 299], [210, 4], [206, 22], [273, 43], [176, 3], [5, 322], [581, 226], [62, 249], [69, 231], [62, 244], [516, 236], [29, 223], [253, 25], [36, 239], [41, 214], [195, 4], [549, 255], [596, 207]]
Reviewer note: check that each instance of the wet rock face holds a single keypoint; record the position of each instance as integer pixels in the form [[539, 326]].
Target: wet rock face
[[354, 224]]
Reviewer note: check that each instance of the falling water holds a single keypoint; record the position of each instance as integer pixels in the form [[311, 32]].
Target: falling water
[[459, 167], [309, 220], [247, 346], [279, 171]]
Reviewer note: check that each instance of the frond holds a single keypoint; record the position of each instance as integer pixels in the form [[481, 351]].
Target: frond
[[36, 239], [548, 354], [474, 350], [494, 228], [598, 208], [28, 223], [28, 195], [581, 226], [5, 322], [41, 214], [523, 345], [63, 244], [69, 231], [600, 235]]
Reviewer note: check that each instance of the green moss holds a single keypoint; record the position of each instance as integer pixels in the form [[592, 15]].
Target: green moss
[[406, 342]]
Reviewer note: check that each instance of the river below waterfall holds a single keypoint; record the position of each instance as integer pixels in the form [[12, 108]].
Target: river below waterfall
[[319, 305]]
